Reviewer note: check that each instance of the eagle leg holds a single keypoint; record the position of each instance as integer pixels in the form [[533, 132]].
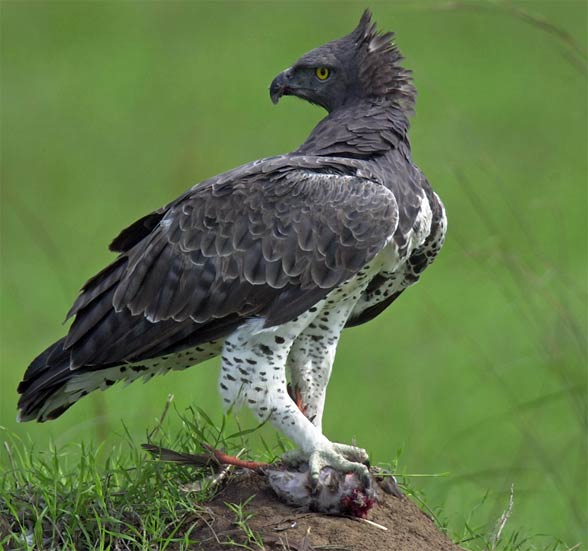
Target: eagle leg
[[253, 372], [310, 361]]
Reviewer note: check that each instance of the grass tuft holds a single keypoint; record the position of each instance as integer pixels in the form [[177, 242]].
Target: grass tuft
[[66, 499], [85, 497]]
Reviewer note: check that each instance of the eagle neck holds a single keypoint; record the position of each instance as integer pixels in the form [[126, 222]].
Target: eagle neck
[[360, 129]]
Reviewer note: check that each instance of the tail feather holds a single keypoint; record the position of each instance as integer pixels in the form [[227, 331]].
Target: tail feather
[[50, 385], [43, 379]]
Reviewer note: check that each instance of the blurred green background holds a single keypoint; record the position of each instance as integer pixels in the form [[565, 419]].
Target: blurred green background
[[110, 109]]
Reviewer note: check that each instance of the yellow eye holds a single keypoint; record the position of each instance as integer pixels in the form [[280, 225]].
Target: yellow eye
[[322, 73]]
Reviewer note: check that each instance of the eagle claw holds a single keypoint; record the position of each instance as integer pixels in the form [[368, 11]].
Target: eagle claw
[[341, 457]]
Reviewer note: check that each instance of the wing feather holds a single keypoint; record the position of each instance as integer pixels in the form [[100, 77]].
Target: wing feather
[[269, 239]]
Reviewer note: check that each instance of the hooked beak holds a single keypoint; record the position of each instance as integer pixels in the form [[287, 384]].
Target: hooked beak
[[279, 86]]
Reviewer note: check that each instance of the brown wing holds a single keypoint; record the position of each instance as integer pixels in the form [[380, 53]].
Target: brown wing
[[268, 240]]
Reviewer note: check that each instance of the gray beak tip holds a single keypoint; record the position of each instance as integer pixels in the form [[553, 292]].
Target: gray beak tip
[[278, 87]]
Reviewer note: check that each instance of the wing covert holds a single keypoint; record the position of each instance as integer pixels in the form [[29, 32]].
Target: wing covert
[[227, 247]]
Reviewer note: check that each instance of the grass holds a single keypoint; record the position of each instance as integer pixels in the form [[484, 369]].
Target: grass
[[69, 499], [241, 519]]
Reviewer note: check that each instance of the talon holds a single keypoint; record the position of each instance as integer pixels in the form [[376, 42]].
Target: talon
[[340, 457], [365, 478], [337, 482], [352, 453]]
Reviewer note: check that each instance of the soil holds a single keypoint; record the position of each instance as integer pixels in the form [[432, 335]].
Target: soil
[[282, 527]]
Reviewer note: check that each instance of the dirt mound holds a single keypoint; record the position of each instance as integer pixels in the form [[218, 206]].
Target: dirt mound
[[281, 527]]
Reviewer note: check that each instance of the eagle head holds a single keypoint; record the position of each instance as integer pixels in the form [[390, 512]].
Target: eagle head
[[364, 64]]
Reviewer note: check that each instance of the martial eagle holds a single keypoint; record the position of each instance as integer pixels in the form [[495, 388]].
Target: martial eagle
[[266, 264]]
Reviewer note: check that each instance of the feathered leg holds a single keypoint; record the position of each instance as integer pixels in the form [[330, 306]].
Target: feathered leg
[[311, 358], [253, 372]]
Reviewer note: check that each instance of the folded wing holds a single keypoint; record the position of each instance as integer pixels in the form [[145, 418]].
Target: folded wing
[[269, 240]]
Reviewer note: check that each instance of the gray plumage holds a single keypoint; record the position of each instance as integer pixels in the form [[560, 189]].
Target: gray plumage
[[302, 244]]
